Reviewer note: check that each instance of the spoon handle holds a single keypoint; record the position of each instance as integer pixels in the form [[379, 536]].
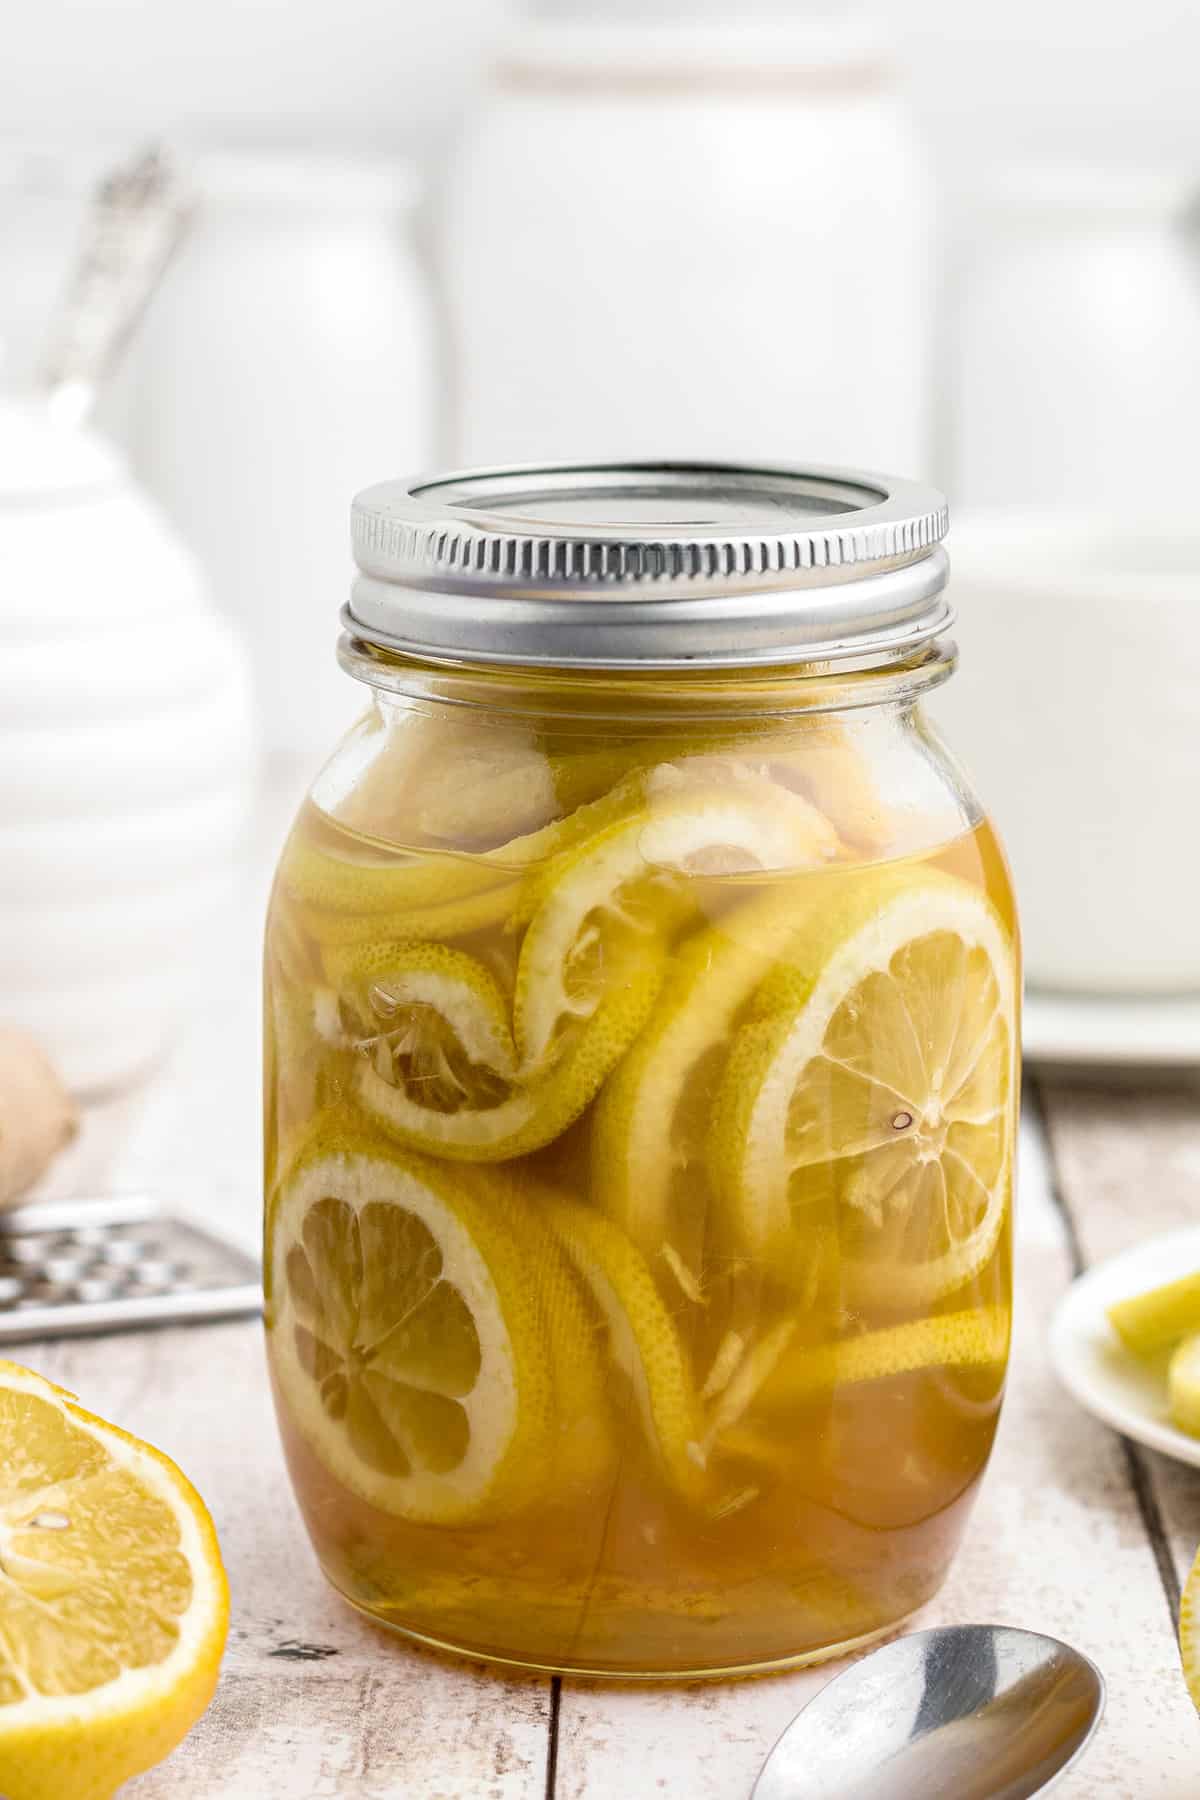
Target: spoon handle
[[138, 219]]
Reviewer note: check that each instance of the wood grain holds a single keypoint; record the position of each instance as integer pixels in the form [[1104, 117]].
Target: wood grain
[[315, 1704]]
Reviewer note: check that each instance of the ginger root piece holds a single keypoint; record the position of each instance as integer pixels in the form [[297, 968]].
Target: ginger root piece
[[37, 1115]]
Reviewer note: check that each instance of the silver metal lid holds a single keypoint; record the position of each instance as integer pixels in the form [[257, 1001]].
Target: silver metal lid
[[649, 565]]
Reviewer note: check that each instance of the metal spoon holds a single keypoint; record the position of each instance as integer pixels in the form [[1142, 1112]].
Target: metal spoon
[[964, 1712]]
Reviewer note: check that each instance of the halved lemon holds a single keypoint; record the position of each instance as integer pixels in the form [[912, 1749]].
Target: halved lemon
[[876, 1087], [405, 1333], [632, 874], [113, 1601], [440, 1071]]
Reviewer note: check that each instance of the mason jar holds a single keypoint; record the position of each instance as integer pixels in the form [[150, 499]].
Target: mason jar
[[642, 1059]]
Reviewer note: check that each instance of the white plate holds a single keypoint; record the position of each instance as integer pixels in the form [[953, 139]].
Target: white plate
[[1103, 1029], [1090, 1361]]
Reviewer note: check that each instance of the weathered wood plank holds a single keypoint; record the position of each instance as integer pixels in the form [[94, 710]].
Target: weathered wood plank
[[1057, 1543], [1128, 1165]]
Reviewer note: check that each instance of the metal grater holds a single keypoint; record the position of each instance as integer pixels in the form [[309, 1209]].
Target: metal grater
[[78, 1266]]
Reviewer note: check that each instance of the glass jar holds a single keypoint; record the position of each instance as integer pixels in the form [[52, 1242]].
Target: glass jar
[[642, 1057]]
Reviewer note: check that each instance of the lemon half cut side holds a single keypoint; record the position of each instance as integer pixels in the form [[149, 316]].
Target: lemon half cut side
[[113, 1600]]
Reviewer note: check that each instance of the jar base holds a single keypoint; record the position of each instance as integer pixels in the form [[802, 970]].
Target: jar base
[[586, 1671]]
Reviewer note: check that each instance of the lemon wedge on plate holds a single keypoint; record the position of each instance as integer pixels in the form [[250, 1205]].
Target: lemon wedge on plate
[[113, 1601], [1158, 1318], [876, 1086]]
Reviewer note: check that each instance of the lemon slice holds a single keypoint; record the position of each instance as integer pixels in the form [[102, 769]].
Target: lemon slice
[[630, 874], [113, 1601], [818, 758], [651, 1120], [444, 1077], [448, 920], [877, 1087], [375, 881], [347, 900], [976, 1337], [643, 1340], [406, 1337], [430, 1006], [1189, 1632]]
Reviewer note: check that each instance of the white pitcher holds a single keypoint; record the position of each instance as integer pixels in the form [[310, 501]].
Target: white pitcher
[[126, 756]]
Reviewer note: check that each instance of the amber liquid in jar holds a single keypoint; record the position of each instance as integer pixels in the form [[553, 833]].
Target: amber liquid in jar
[[639, 1149]]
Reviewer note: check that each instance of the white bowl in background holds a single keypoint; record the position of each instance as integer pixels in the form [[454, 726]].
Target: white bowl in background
[[1076, 707]]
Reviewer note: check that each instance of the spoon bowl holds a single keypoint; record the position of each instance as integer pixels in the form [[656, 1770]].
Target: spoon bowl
[[962, 1712]]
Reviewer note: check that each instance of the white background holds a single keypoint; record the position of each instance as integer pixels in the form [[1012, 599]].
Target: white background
[[1105, 77]]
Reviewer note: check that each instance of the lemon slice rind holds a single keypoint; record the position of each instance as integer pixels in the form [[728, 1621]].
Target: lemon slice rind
[[643, 1339], [635, 1147]]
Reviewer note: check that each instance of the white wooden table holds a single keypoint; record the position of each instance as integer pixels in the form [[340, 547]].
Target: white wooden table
[[1076, 1532]]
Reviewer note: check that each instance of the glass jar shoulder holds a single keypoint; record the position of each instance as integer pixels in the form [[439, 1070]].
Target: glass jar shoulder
[[863, 786]]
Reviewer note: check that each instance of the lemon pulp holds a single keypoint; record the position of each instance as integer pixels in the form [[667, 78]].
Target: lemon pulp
[[113, 1600]]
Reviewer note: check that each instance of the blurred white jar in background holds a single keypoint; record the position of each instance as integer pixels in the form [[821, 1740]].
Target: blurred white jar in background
[[1075, 706], [713, 238], [1077, 320], [126, 757], [285, 362]]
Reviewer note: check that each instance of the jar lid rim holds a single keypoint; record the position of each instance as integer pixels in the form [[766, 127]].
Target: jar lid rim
[[635, 564]]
